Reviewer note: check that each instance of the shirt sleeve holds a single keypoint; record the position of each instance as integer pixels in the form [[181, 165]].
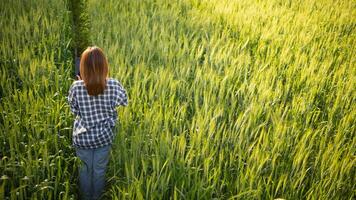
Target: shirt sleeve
[[72, 100], [121, 99]]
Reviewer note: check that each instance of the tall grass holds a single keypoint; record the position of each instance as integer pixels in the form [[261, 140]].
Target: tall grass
[[232, 99], [36, 158], [228, 99], [80, 26]]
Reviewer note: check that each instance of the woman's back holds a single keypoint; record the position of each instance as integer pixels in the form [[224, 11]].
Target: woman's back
[[93, 101], [95, 115]]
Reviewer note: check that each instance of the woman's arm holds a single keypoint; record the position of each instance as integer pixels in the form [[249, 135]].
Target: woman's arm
[[121, 99], [72, 100]]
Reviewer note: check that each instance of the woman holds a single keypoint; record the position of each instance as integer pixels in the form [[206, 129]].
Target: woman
[[93, 100]]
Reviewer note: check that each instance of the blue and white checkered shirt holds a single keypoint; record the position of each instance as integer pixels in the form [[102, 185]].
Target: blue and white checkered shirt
[[95, 115]]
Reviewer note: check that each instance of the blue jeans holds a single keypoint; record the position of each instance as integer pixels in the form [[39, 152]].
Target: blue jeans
[[92, 171]]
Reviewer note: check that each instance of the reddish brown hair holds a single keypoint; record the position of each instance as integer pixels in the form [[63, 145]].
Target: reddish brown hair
[[94, 70]]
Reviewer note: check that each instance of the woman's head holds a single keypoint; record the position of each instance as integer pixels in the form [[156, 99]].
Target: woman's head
[[94, 70]]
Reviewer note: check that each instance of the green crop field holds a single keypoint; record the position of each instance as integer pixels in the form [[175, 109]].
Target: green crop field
[[228, 99]]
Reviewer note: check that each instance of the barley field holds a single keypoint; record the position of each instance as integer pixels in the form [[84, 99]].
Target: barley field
[[228, 99]]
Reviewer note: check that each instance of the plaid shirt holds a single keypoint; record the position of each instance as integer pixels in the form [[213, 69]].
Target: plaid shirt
[[95, 115]]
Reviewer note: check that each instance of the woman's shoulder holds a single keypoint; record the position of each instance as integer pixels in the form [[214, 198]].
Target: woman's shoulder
[[76, 87], [77, 84], [114, 82]]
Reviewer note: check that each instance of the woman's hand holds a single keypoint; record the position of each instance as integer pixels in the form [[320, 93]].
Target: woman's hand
[[78, 77]]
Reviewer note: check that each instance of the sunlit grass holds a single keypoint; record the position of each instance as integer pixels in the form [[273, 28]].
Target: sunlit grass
[[232, 99], [227, 99]]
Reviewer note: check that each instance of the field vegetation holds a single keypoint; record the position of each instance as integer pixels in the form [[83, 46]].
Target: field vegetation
[[242, 99]]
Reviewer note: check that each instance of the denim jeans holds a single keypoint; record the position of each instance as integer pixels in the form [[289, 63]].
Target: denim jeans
[[92, 171]]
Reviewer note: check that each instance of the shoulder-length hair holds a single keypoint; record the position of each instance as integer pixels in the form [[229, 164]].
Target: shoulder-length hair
[[94, 70]]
